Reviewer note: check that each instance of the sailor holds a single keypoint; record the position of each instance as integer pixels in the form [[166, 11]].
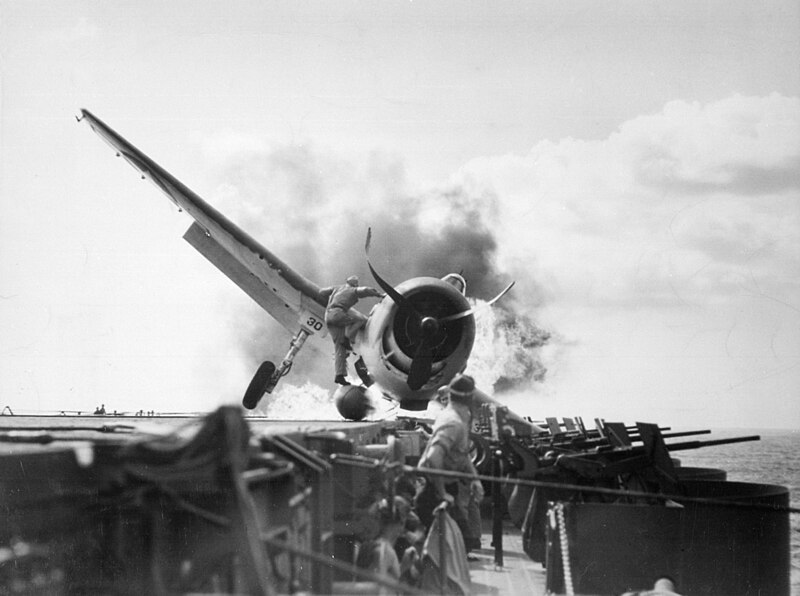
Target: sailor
[[378, 555], [475, 496], [344, 321], [448, 449]]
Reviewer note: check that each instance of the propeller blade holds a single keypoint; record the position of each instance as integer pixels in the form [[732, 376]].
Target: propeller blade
[[421, 366], [387, 287], [422, 362], [398, 298], [466, 313]]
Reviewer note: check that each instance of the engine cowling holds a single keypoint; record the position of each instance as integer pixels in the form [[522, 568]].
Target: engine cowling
[[390, 339]]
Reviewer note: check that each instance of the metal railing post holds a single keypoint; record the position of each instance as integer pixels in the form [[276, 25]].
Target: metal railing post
[[441, 512], [497, 508]]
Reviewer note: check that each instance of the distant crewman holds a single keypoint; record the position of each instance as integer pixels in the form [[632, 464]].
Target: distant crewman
[[663, 587], [378, 554], [344, 321]]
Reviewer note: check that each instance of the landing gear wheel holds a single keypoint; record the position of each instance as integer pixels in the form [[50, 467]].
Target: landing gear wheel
[[258, 385]]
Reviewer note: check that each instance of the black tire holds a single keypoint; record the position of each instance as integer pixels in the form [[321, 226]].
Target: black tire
[[258, 386], [479, 453]]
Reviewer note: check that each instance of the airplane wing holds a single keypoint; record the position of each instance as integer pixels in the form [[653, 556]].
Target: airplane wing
[[294, 301]]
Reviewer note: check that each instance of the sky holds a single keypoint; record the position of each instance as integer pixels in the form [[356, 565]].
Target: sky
[[634, 166]]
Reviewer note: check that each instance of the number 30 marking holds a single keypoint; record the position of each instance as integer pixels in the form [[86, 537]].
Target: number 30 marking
[[314, 323]]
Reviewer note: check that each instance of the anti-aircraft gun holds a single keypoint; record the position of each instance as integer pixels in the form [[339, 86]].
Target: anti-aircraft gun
[[565, 461]]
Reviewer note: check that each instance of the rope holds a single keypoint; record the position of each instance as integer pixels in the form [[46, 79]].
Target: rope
[[340, 566], [362, 461], [562, 534]]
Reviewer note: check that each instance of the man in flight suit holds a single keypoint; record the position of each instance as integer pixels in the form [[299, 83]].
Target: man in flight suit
[[344, 321]]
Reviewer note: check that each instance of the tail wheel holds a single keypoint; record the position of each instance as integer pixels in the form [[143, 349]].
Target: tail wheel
[[478, 452], [258, 385]]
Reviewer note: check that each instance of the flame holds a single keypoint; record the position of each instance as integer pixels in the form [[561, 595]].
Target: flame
[[506, 353]]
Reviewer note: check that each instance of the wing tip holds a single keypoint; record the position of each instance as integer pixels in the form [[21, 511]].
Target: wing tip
[[85, 114]]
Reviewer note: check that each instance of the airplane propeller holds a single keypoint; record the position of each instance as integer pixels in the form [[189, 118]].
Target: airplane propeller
[[472, 310], [429, 327]]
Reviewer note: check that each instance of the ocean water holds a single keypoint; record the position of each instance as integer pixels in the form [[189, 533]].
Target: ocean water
[[775, 459]]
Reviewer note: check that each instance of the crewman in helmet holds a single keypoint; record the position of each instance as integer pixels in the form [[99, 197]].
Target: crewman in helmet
[[448, 449], [344, 321]]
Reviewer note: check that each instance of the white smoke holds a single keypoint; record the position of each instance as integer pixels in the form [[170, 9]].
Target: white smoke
[[669, 253], [692, 203], [299, 402], [312, 210]]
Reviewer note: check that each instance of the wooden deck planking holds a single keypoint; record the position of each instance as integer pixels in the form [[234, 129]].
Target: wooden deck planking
[[518, 575]]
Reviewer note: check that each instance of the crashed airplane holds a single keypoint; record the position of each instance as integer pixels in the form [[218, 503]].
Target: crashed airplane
[[414, 341]]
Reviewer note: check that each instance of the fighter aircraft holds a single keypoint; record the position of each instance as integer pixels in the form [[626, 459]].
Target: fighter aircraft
[[415, 340]]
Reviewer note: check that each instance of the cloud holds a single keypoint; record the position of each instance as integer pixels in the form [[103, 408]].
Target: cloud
[[740, 145], [691, 201], [692, 209], [80, 30]]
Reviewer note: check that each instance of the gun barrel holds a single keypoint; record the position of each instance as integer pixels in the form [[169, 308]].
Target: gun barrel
[[698, 444], [686, 433]]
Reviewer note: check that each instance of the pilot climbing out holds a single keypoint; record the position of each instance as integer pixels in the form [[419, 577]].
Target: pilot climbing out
[[344, 321]]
